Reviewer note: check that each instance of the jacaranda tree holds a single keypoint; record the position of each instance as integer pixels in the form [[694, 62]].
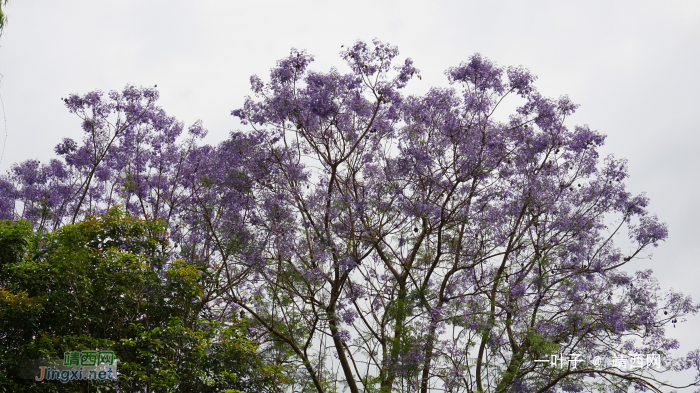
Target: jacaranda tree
[[381, 242]]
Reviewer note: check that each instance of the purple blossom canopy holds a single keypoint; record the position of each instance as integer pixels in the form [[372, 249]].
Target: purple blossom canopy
[[386, 241]]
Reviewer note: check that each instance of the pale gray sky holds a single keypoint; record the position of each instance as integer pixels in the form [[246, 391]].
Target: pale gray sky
[[633, 66]]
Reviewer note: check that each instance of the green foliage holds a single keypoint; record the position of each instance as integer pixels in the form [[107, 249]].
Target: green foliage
[[108, 283], [3, 17], [212, 358], [13, 241]]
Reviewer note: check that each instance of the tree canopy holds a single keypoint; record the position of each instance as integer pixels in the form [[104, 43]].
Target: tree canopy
[[383, 242], [107, 283]]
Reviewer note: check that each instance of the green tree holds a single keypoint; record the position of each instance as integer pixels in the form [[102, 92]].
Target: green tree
[[109, 282], [3, 17]]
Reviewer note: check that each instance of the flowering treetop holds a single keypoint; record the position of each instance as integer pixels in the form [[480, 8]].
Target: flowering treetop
[[383, 241]]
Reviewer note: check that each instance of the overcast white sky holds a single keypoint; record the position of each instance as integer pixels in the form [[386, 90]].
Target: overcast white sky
[[633, 66]]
